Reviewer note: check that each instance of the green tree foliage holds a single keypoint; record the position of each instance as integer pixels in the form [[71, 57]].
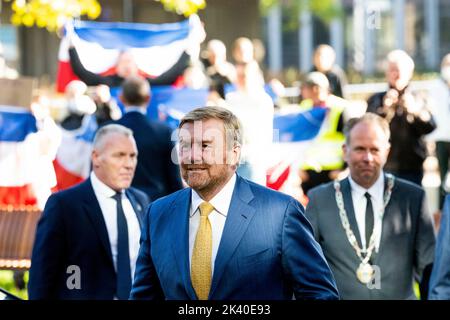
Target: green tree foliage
[[52, 14], [183, 7]]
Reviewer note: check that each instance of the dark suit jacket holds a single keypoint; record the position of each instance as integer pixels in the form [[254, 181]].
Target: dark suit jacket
[[267, 250], [440, 276], [72, 231], [406, 246], [156, 174]]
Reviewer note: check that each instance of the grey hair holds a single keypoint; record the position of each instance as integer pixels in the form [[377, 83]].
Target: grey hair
[[107, 130], [401, 58], [368, 117], [231, 123]]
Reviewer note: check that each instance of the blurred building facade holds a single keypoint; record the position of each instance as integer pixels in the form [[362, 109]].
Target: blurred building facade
[[362, 35]]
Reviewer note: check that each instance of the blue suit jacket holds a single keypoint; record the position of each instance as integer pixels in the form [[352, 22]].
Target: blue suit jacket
[[156, 174], [72, 231], [267, 250], [440, 275]]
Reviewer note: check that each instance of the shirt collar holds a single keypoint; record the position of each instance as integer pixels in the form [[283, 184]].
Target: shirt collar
[[220, 202], [100, 188], [142, 110], [375, 191]]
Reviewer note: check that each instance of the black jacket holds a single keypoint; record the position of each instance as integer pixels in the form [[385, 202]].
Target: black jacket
[[93, 79], [408, 150]]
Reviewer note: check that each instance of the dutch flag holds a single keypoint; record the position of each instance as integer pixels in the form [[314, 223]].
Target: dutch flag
[[154, 47]]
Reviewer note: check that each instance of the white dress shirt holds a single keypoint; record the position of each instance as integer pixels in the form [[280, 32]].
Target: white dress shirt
[[221, 203], [108, 206], [376, 192], [142, 110]]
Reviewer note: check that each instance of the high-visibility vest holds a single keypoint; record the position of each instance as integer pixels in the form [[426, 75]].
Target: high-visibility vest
[[325, 151]]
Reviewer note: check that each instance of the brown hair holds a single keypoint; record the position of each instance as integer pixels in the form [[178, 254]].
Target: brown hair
[[136, 91], [231, 123]]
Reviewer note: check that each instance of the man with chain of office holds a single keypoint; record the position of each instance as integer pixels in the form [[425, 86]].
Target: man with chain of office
[[375, 230]]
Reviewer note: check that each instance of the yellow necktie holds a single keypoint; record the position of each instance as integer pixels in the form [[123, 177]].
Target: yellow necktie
[[201, 255]]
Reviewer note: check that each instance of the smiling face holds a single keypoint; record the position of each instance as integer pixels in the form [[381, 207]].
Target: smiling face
[[206, 162], [366, 153], [114, 160]]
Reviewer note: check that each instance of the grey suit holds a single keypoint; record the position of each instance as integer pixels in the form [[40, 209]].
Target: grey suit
[[406, 246]]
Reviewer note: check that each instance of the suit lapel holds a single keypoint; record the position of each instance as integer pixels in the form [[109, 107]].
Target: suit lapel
[[180, 235], [348, 205], [94, 212], [239, 216]]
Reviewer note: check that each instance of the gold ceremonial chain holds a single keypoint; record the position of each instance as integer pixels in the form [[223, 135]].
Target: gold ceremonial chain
[[365, 270]]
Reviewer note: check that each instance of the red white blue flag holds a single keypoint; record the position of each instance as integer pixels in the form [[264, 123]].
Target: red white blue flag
[[26, 154], [154, 47]]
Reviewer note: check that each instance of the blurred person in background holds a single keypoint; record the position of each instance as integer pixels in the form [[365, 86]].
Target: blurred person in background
[[125, 67], [49, 139], [408, 117], [157, 173], [243, 54], [107, 108], [254, 108], [195, 78], [79, 105], [440, 108], [219, 71], [323, 159], [324, 61]]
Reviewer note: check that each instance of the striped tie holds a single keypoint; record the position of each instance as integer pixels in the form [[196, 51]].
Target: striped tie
[[201, 255]]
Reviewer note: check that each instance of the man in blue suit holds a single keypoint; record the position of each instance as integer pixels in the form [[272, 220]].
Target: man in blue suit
[[156, 174], [226, 238], [87, 239], [440, 275]]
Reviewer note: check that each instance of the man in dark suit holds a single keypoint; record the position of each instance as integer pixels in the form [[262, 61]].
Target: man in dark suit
[[440, 276], [87, 239], [157, 173], [226, 238], [375, 229]]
